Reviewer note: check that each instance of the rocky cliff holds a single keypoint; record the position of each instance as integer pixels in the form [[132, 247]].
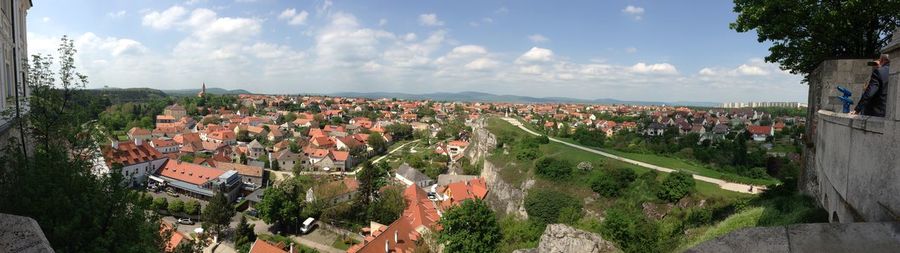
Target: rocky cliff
[[502, 196], [559, 238]]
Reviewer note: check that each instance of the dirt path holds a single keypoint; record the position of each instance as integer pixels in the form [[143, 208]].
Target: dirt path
[[736, 187]]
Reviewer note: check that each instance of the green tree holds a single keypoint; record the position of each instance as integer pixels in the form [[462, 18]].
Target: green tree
[[631, 230], [470, 227], [552, 168], [376, 141], [176, 206], [244, 235], [192, 207], [282, 204], [160, 203], [803, 33], [613, 182], [544, 206], [52, 182], [217, 213], [677, 185], [371, 178], [388, 207]]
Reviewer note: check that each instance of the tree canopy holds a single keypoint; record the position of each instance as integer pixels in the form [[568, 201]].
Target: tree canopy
[[803, 33], [470, 227]]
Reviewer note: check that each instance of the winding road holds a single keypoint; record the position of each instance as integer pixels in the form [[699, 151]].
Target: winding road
[[730, 186]]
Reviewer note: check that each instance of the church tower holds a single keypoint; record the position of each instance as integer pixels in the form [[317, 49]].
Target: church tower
[[202, 91]]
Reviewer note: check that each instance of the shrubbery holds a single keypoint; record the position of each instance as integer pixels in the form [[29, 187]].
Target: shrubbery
[[546, 206], [613, 182], [677, 185], [552, 168]]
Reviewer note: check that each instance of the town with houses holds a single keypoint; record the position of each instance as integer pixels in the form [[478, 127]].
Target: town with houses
[[242, 149]]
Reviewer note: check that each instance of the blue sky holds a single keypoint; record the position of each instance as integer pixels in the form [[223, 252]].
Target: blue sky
[[634, 50]]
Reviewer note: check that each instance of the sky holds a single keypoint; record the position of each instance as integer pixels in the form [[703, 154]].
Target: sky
[[620, 49]]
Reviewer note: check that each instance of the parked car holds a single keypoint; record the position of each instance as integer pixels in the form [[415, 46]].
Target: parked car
[[185, 221], [432, 196], [307, 225], [253, 212], [172, 193]]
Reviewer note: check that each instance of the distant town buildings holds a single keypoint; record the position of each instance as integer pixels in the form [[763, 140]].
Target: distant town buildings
[[762, 104]]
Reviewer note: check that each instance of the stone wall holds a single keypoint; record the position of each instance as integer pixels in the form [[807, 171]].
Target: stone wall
[[852, 166], [850, 73], [822, 237]]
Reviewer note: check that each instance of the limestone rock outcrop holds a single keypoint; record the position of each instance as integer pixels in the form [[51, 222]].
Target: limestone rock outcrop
[[559, 238]]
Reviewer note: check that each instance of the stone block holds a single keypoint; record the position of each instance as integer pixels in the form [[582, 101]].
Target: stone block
[[760, 239], [844, 237]]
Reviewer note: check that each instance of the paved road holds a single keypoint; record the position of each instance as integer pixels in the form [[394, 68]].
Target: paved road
[[736, 187]]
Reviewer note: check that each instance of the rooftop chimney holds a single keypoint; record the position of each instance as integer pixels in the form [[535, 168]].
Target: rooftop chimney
[[395, 237], [114, 143], [291, 249], [138, 141], [387, 248]]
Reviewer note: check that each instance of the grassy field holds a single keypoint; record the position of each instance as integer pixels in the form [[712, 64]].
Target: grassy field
[[673, 163], [515, 172]]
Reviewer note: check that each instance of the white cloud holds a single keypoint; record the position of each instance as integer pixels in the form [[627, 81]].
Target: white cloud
[[116, 14], [487, 20], [192, 2], [753, 67], [430, 19], [114, 46], [658, 68], [482, 64], [245, 1], [634, 11], [293, 17], [382, 22], [45, 19], [164, 20], [537, 38], [536, 54], [631, 50], [502, 10]]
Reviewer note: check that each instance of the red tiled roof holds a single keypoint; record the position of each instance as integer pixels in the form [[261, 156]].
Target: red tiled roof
[[188, 172], [463, 190], [262, 246], [340, 155], [458, 143], [128, 153], [420, 212], [760, 130]]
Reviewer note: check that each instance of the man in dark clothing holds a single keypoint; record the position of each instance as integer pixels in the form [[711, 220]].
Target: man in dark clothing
[[873, 101]]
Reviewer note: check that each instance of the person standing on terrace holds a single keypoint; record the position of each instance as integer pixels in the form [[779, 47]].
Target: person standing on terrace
[[873, 101]]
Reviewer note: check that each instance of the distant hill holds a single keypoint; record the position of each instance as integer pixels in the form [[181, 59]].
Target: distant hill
[[215, 91], [119, 95], [471, 96]]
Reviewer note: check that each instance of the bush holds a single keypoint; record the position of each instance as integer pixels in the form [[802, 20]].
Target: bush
[[160, 203], [677, 185], [631, 231], [544, 206], [192, 207], [552, 168], [613, 182], [176, 206]]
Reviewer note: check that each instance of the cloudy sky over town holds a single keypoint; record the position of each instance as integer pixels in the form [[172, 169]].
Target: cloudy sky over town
[[630, 50]]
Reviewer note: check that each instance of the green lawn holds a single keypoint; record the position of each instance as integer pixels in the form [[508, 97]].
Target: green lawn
[[515, 172], [344, 245], [688, 166], [669, 162]]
